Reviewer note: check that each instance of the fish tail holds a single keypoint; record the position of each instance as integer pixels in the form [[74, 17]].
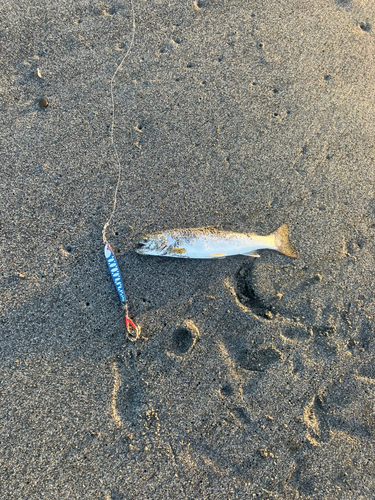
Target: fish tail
[[283, 243]]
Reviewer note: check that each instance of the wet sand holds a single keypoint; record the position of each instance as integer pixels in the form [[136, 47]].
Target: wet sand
[[253, 378]]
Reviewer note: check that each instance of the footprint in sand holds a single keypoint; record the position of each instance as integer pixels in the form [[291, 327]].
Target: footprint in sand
[[182, 339], [333, 410], [126, 392], [292, 297]]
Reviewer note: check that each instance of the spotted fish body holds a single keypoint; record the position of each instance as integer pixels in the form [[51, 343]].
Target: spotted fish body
[[114, 269], [208, 243]]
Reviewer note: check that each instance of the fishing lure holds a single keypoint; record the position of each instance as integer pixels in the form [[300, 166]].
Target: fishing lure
[[114, 269], [112, 263]]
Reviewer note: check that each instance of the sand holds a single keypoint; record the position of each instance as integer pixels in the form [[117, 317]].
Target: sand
[[253, 378]]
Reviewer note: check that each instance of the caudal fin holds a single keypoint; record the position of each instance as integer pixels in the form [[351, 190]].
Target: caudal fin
[[283, 243]]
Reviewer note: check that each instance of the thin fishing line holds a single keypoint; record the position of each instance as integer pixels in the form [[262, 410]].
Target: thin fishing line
[[117, 157]]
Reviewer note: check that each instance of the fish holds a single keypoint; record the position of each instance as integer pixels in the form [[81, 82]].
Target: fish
[[211, 243]]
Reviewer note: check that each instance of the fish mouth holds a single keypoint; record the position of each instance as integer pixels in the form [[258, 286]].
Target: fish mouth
[[140, 247], [151, 245]]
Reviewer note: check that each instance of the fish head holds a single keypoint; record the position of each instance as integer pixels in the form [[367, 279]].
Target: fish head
[[152, 244]]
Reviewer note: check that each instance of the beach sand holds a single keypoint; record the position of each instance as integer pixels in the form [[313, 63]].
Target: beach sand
[[253, 378]]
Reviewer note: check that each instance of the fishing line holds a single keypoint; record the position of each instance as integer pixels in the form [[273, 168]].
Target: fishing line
[[112, 263]]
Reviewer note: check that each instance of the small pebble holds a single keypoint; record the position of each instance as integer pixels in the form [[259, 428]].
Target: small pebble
[[37, 73], [43, 103]]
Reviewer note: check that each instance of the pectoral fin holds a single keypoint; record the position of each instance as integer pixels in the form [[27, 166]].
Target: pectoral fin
[[218, 255], [177, 250], [251, 254]]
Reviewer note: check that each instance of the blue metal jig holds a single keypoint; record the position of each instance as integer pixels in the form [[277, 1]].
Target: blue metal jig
[[114, 269]]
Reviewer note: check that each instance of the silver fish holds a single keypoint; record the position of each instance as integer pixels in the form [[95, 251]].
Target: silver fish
[[209, 243]]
